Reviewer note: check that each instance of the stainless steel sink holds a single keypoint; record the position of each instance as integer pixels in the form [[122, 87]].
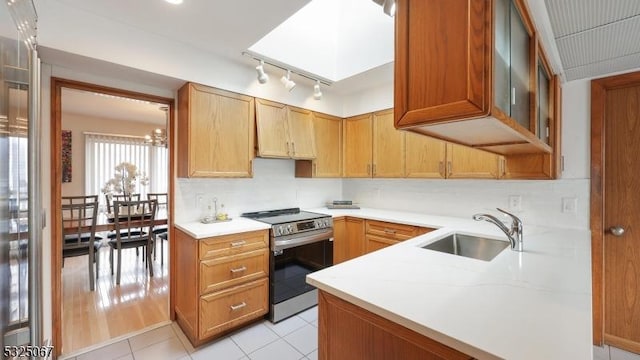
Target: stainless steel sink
[[470, 246]]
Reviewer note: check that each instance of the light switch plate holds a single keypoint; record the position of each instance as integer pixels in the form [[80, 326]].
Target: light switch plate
[[515, 203], [569, 205]]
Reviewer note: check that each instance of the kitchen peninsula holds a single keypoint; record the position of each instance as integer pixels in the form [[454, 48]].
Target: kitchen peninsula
[[530, 305]]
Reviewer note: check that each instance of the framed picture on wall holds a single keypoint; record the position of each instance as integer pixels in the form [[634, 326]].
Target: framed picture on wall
[[66, 156]]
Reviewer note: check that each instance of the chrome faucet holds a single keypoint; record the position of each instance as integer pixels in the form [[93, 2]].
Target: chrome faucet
[[514, 234]]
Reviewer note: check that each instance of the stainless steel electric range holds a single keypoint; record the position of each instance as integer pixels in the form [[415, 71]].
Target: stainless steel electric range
[[301, 242]]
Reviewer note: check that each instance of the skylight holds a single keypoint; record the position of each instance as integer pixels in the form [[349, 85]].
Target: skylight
[[333, 39]]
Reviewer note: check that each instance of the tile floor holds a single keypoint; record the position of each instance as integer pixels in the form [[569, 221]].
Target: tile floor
[[291, 339], [611, 353]]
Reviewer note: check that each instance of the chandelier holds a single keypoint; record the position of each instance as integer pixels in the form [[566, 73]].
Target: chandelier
[[158, 137]]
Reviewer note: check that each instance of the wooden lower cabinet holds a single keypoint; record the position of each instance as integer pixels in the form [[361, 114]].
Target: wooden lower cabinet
[[353, 237], [222, 282], [380, 234], [348, 238], [226, 309], [372, 337]]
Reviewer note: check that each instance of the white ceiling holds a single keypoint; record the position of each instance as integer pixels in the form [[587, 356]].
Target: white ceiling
[[111, 107], [593, 37], [222, 27]]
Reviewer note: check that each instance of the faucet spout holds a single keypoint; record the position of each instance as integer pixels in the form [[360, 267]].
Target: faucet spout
[[514, 234]]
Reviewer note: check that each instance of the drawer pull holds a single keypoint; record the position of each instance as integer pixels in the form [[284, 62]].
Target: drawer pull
[[240, 269], [389, 231], [238, 243], [238, 307]]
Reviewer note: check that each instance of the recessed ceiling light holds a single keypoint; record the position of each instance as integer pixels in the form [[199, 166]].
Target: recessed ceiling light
[[175, 2]]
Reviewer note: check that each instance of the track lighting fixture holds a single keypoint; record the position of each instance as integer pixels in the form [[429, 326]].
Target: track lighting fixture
[[317, 94], [262, 76], [287, 82]]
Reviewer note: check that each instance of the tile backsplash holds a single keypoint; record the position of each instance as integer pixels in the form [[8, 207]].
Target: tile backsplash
[[541, 200], [274, 186]]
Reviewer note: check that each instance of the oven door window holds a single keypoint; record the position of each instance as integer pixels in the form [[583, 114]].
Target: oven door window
[[290, 268]]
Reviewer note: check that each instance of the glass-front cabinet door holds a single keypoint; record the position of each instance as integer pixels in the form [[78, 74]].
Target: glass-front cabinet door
[[544, 113], [502, 56], [512, 63]]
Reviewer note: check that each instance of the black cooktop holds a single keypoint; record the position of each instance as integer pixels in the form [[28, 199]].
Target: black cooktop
[[283, 216]]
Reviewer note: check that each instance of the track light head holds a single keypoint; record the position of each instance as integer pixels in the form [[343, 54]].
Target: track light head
[[287, 82], [317, 94], [389, 7], [262, 76]]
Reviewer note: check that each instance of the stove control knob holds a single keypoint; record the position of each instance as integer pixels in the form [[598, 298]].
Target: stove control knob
[[326, 223], [278, 230], [318, 224], [289, 229]]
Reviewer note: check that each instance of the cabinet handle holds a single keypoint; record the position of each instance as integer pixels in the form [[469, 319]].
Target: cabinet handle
[[513, 96], [238, 243], [389, 231], [441, 168], [368, 169], [288, 149], [374, 169], [240, 269], [293, 148], [238, 307], [503, 162], [315, 169], [449, 168]]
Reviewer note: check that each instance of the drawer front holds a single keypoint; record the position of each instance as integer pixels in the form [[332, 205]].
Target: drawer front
[[374, 242], [229, 308], [391, 230], [227, 245], [222, 272]]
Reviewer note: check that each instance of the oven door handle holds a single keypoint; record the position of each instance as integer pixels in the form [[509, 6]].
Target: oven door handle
[[279, 245]]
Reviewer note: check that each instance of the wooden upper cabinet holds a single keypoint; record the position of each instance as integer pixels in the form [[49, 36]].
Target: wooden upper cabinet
[[358, 146], [477, 91], [284, 131], [328, 137], [388, 146], [466, 163], [215, 132], [301, 133], [425, 157], [272, 129]]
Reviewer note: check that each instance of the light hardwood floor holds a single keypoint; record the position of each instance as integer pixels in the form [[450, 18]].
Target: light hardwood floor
[[92, 317]]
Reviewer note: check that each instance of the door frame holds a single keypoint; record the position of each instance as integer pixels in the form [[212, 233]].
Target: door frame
[[599, 88], [57, 84]]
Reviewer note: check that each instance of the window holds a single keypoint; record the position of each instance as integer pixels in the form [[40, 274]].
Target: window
[[103, 152]]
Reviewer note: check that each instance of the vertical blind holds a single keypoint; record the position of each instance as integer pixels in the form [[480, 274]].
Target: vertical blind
[[104, 152]]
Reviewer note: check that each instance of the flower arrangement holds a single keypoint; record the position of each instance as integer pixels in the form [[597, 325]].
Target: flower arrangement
[[125, 179]]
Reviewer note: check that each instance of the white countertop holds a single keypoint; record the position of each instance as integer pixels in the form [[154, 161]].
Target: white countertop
[[199, 230], [530, 305]]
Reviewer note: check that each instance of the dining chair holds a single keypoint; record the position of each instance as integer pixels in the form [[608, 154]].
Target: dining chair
[[160, 231], [126, 223], [79, 216], [110, 198]]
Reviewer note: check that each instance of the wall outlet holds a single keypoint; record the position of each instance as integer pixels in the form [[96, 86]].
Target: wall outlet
[[569, 205], [199, 201], [515, 203]]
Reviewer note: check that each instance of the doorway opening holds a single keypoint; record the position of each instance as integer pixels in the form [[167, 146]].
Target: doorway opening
[[95, 130]]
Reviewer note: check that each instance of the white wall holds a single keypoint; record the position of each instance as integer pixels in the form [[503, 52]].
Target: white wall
[[273, 186]]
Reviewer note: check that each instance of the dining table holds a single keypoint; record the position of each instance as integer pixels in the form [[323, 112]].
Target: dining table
[[107, 222]]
